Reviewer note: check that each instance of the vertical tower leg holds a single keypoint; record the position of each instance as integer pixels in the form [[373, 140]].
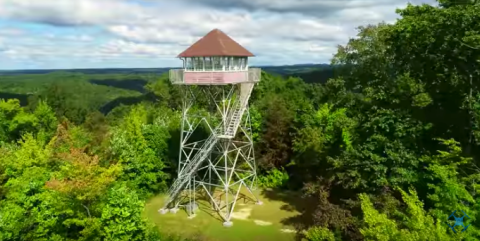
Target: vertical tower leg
[[226, 188], [187, 147], [248, 155], [188, 127], [236, 163]]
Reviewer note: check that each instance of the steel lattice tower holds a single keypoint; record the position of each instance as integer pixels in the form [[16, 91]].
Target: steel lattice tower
[[217, 168]]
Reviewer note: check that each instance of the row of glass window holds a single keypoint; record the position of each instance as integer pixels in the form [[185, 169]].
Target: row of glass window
[[216, 63]]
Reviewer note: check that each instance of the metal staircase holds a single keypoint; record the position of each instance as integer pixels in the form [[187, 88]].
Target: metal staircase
[[229, 132], [237, 113], [190, 168]]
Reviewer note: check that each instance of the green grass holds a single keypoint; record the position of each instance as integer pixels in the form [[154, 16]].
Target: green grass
[[208, 225]]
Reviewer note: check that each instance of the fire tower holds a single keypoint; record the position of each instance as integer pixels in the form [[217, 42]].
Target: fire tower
[[216, 76]]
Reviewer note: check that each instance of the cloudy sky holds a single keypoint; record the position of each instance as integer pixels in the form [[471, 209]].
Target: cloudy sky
[[52, 34]]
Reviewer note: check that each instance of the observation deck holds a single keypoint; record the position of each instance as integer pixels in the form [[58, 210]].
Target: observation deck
[[186, 77], [215, 59]]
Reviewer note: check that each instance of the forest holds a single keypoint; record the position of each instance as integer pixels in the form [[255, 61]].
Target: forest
[[385, 149]]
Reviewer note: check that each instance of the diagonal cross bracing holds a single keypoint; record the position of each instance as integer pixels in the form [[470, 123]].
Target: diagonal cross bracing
[[224, 172]]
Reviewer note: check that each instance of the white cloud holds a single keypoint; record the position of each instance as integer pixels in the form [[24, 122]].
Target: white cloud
[[2, 46], [11, 32], [151, 34], [82, 38], [318, 8], [119, 47], [75, 38], [71, 12], [276, 31]]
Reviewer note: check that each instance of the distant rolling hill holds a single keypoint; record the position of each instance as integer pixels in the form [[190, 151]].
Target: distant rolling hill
[[310, 73], [86, 71], [107, 88], [282, 70]]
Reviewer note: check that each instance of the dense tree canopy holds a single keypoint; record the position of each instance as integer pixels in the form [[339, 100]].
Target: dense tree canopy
[[386, 149]]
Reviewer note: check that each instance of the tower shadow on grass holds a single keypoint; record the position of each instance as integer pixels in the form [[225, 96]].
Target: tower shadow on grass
[[205, 204], [294, 202]]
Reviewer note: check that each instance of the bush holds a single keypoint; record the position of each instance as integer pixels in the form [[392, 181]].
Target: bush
[[274, 178]]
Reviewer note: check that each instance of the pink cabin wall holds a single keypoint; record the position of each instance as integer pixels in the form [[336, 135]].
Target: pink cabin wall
[[215, 77]]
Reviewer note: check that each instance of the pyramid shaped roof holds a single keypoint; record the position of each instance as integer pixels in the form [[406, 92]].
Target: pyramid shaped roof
[[215, 43]]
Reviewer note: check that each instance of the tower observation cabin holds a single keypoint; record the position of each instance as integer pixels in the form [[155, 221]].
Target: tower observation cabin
[[215, 59]]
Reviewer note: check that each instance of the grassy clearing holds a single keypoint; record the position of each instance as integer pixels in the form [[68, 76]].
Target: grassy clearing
[[250, 222]]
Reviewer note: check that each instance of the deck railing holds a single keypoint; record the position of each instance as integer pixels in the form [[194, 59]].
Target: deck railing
[[178, 76], [254, 74]]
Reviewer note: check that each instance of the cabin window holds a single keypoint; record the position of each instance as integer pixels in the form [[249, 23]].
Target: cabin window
[[189, 64], [217, 63], [242, 63], [236, 63], [231, 63], [207, 63], [198, 63], [223, 63]]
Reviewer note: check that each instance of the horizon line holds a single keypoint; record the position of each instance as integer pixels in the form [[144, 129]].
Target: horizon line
[[113, 68]]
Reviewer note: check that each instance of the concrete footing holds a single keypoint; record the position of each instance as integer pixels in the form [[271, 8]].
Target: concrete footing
[[162, 210]]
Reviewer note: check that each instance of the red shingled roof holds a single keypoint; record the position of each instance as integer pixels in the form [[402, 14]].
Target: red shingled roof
[[215, 43]]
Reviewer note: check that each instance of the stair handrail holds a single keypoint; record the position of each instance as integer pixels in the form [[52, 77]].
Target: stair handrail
[[240, 107], [190, 168], [204, 145]]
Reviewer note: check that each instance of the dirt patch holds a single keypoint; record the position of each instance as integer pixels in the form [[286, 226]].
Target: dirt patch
[[242, 214], [286, 230], [262, 223]]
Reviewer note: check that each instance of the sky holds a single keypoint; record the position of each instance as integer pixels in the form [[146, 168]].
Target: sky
[[66, 34]]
